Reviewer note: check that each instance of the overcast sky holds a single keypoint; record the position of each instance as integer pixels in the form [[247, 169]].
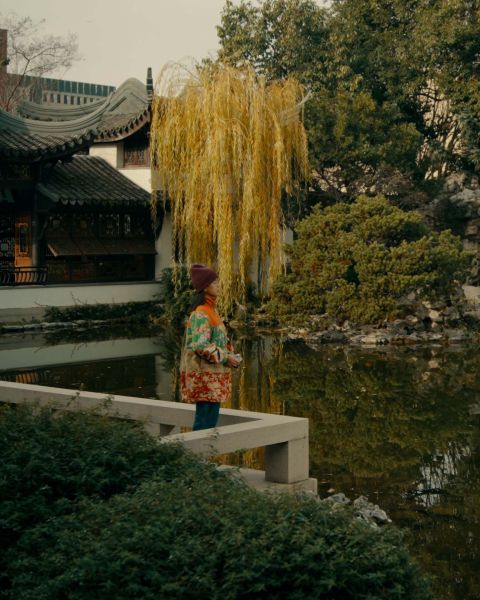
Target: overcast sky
[[121, 38]]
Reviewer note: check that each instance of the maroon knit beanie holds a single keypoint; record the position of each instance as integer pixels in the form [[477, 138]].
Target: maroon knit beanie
[[202, 277]]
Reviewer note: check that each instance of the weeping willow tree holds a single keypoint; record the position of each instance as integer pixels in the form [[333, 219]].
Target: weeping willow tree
[[226, 145]]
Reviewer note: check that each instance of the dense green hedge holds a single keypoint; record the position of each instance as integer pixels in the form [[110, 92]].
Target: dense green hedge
[[119, 517], [132, 312], [47, 463]]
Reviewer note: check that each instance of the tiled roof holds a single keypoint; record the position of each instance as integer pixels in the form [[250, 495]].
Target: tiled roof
[[91, 180], [56, 112], [130, 98], [122, 113], [96, 247], [19, 145]]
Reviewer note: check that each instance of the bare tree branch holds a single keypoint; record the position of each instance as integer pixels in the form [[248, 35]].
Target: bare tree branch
[[32, 53]]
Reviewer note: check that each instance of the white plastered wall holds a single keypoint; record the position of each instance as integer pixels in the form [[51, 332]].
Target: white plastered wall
[[22, 303], [141, 176], [112, 153]]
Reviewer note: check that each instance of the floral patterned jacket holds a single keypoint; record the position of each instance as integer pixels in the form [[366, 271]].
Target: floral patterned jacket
[[204, 374]]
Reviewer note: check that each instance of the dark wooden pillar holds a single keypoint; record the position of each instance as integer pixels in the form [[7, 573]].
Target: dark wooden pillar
[[35, 224]]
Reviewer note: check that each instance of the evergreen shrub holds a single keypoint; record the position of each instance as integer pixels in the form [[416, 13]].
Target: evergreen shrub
[[99, 514], [49, 460], [361, 261], [205, 536]]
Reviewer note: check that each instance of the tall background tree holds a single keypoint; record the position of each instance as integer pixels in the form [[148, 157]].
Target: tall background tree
[[418, 56], [396, 100], [31, 53]]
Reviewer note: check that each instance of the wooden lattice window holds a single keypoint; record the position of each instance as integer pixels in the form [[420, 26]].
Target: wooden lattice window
[[110, 225], [136, 156], [134, 226], [7, 236], [59, 225], [84, 225]]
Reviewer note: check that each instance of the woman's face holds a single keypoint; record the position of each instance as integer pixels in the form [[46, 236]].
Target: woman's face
[[213, 289]]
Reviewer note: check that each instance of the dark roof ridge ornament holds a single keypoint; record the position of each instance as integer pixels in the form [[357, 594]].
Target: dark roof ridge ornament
[[130, 97], [149, 85]]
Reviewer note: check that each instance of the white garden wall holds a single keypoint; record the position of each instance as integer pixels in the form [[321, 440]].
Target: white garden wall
[[23, 303]]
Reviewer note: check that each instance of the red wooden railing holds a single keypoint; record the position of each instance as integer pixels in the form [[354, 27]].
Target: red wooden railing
[[23, 276]]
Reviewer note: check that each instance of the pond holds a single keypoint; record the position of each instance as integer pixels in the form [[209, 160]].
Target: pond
[[400, 426]]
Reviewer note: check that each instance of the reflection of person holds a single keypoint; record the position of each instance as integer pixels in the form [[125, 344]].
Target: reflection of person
[[207, 354]]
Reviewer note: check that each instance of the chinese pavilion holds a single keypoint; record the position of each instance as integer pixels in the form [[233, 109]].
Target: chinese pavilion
[[73, 208]]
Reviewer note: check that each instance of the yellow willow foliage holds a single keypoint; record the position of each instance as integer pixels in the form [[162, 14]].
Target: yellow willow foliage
[[225, 148]]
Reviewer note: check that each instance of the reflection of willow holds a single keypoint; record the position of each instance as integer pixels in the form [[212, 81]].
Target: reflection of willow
[[253, 387]]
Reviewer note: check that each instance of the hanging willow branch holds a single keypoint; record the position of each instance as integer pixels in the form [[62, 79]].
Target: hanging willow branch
[[226, 147]]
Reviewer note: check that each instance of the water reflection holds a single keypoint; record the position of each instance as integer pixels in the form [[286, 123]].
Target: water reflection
[[399, 426], [125, 366]]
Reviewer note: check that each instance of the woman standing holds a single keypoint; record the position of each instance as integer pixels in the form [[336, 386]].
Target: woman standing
[[207, 355]]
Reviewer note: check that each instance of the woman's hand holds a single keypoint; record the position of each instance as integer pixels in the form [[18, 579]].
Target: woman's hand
[[233, 360]]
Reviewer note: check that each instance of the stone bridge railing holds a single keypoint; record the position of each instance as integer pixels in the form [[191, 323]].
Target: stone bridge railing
[[285, 438]]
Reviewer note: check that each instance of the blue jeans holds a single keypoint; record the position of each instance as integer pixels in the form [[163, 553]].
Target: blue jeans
[[206, 415]]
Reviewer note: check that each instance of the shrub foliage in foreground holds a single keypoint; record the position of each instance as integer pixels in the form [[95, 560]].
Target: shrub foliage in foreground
[[192, 532], [48, 463], [359, 261]]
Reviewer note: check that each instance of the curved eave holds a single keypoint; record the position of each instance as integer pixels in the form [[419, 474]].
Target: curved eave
[[97, 201], [116, 134], [47, 152], [103, 202], [130, 99], [38, 112]]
